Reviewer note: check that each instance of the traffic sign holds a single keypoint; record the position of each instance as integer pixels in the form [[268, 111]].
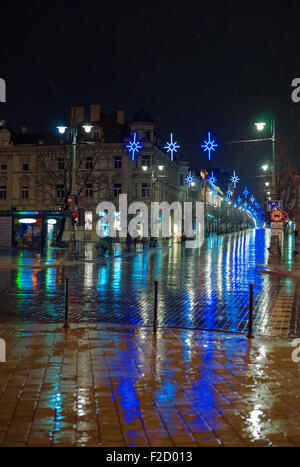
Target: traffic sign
[[274, 205], [285, 216], [276, 216], [276, 225]]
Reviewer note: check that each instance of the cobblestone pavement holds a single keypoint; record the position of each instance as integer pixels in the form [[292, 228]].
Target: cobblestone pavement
[[113, 385], [205, 288]]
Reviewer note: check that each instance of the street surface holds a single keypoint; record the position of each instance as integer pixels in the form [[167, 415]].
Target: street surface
[[205, 288]]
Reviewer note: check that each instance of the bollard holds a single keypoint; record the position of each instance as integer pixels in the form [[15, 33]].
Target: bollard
[[250, 321], [66, 324], [155, 305]]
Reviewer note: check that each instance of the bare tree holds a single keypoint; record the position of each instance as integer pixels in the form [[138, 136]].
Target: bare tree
[[286, 183], [54, 179]]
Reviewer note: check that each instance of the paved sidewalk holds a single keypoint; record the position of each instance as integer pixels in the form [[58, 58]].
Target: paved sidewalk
[[111, 385]]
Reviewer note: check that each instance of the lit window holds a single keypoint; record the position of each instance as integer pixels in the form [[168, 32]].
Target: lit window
[[88, 220]]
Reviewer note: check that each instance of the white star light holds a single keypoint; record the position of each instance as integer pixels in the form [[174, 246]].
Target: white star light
[[189, 179], [172, 147], [229, 193], [134, 146], [234, 179], [252, 199], [209, 146]]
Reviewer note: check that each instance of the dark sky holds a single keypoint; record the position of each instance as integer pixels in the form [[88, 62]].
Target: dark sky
[[195, 65]]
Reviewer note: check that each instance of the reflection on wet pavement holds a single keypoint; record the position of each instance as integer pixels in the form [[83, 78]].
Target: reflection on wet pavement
[[97, 385], [204, 288]]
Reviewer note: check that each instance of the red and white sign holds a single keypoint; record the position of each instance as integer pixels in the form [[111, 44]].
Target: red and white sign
[[276, 216]]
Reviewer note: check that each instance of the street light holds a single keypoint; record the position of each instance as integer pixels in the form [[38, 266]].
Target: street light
[[265, 167], [260, 126], [62, 129]]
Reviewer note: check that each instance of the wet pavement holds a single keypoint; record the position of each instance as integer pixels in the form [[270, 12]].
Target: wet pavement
[[113, 385], [205, 288]]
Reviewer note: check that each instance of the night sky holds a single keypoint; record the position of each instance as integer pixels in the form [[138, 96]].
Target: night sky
[[195, 65]]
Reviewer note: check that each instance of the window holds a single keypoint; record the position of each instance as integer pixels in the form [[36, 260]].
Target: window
[[145, 190], [61, 163], [25, 192], [25, 166], [3, 192], [89, 190], [60, 191], [117, 189], [88, 220], [118, 162], [146, 160], [3, 166], [96, 135], [89, 162]]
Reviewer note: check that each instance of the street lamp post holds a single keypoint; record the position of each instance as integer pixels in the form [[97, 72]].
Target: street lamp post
[[73, 128]]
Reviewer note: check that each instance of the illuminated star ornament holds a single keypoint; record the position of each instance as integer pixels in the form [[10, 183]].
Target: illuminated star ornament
[[234, 179], [229, 193], [212, 179], [134, 146], [246, 192], [209, 146], [172, 147], [189, 179], [239, 200], [252, 199]]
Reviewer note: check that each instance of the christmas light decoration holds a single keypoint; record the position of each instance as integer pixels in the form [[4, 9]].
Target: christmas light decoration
[[189, 179], [171, 147], [209, 146], [234, 179], [134, 146]]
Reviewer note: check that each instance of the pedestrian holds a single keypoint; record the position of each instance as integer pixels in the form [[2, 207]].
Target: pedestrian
[[128, 241]]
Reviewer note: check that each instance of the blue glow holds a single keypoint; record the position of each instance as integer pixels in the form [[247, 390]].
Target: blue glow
[[234, 179], [134, 146], [229, 193], [189, 179], [212, 179], [239, 200], [209, 146], [246, 192], [172, 147], [252, 199]]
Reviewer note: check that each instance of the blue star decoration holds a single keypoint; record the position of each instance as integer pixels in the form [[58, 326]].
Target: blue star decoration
[[229, 193], [134, 146], [246, 192], [212, 179], [234, 179], [209, 146], [189, 179], [172, 147], [239, 200], [252, 199]]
